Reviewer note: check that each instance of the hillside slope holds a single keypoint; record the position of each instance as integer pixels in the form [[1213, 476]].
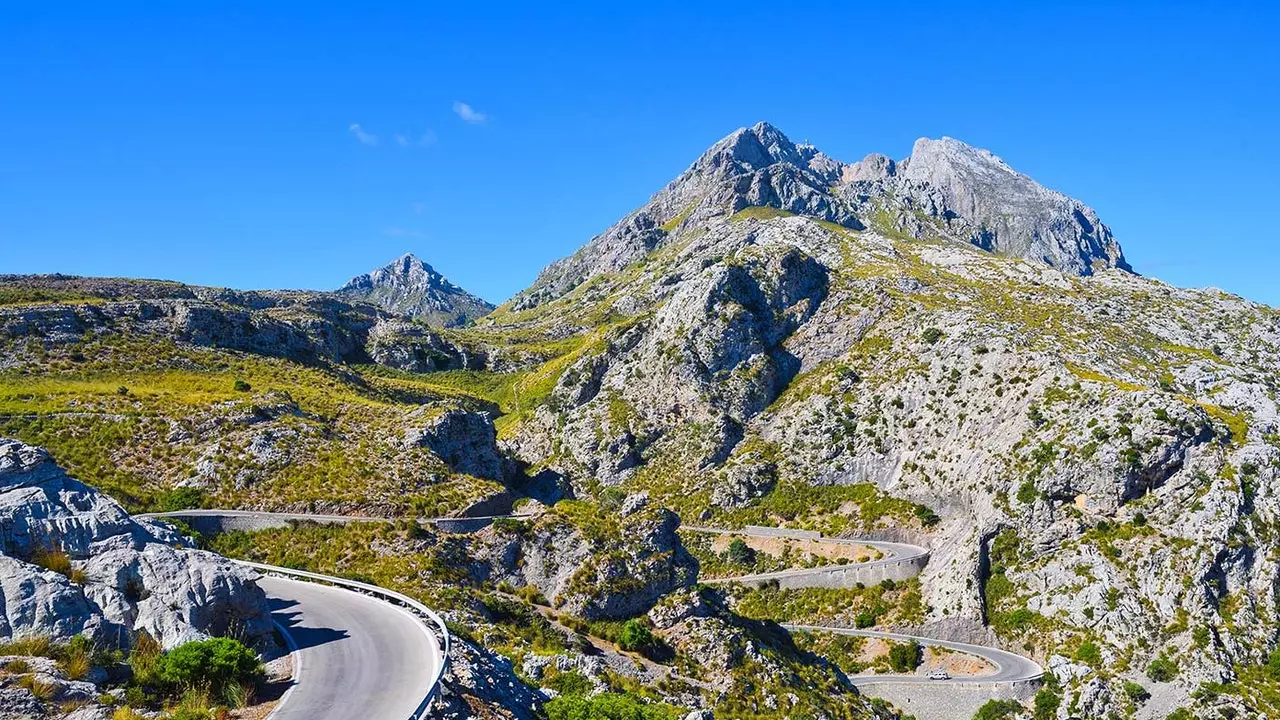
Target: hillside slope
[[936, 349], [755, 345]]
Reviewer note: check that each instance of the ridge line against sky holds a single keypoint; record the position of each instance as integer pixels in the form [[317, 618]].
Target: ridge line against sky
[[256, 147]]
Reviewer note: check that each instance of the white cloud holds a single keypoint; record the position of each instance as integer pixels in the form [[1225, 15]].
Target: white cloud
[[364, 137], [469, 114], [427, 139]]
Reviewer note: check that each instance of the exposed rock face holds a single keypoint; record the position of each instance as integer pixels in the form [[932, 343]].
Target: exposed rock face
[[411, 347], [1100, 447], [463, 439], [588, 573], [288, 325], [409, 286], [482, 684], [984, 201], [132, 575], [968, 193]]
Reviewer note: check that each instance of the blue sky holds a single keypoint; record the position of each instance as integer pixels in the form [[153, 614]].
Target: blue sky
[[276, 145]]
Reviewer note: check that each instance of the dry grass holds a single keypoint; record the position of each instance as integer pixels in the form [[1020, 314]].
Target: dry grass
[[40, 689]]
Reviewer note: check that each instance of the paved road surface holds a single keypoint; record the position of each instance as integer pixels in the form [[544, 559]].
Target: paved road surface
[[361, 658], [384, 648], [894, 553], [1009, 667]]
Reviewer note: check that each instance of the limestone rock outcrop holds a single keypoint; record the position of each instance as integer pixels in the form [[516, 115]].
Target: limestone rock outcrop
[[111, 576]]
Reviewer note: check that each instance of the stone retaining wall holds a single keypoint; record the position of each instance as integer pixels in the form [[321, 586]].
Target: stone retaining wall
[[942, 700]]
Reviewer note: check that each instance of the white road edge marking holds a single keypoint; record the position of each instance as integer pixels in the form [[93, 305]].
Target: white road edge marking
[[296, 654]]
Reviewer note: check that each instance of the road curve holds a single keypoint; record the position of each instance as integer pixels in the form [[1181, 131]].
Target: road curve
[[357, 656], [894, 554], [1010, 668]]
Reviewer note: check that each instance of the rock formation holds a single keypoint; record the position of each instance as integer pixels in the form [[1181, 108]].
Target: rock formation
[[122, 576], [409, 286]]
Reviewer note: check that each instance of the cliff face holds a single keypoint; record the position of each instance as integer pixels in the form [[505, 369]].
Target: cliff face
[[75, 563]]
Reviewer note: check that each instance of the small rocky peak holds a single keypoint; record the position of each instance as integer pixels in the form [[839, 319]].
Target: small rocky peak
[[410, 286], [747, 149]]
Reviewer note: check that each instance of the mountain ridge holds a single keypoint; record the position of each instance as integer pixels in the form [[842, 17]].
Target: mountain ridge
[[945, 191]]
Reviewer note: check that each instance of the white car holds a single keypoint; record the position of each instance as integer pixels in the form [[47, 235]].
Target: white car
[[939, 675]]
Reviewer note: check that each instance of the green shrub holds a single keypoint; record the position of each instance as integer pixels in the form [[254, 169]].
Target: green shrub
[[216, 663], [1089, 654], [1046, 704], [1136, 692], [635, 636], [931, 335], [607, 706], [1027, 493], [926, 516], [1162, 669], [864, 619], [998, 710], [509, 526], [611, 498], [242, 386], [905, 657], [567, 683], [181, 498], [739, 552]]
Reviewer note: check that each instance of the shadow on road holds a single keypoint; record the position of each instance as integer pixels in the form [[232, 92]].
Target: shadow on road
[[304, 636]]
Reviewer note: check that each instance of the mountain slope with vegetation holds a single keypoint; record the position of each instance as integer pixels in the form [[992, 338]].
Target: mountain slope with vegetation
[[936, 349]]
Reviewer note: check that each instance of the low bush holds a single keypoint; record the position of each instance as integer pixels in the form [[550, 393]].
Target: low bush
[[739, 552], [606, 706], [52, 559], [635, 636], [1162, 669], [218, 664], [998, 710], [905, 657], [1136, 692]]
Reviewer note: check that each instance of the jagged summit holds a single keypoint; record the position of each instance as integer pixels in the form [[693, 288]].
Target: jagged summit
[[410, 286], [946, 189]]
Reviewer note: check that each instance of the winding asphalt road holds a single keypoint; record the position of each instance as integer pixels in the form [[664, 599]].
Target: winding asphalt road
[[1010, 668], [337, 663], [894, 553], [356, 657]]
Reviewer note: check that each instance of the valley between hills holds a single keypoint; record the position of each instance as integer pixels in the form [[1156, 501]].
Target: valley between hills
[[783, 442]]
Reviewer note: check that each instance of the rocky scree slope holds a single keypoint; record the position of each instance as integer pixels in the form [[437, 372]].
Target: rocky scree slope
[[409, 286], [124, 576], [775, 332]]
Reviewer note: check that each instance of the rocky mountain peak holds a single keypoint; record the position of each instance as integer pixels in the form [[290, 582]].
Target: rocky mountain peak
[[980, 199], [409, 286], [945, 189]]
